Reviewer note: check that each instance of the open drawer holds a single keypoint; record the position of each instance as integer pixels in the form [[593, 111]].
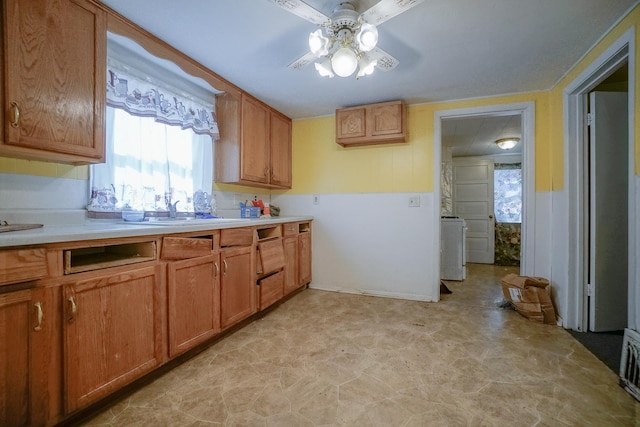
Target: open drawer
[[270, 250]]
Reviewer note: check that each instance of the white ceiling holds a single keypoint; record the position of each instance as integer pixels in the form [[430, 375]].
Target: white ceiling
[[448, 49]]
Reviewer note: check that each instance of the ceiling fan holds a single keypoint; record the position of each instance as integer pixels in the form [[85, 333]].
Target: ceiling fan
[[346, 40]]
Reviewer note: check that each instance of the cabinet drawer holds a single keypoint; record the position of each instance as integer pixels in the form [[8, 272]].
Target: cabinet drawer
[[236, 237], [22, 265], [290, 229], [271, 289], [271, 256], [185, 247]]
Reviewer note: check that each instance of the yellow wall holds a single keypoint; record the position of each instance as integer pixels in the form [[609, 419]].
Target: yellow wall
[[556, 95], [322, 166], [55, 170]]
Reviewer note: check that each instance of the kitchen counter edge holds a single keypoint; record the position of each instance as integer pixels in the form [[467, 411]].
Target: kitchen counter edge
[[101, 229]]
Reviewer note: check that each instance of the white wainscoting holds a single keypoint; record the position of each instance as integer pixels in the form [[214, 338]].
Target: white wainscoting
[[370, 243]]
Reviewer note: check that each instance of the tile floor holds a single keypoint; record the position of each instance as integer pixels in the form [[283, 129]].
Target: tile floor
[[330, 359]]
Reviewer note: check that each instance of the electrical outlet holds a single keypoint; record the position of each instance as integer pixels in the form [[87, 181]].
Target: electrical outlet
[[414, 201], [316, 199]]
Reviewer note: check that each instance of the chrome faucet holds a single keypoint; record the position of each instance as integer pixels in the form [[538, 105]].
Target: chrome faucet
[[172, 208]]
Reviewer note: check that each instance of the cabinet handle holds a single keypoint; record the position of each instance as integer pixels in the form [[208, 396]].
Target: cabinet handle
[[226, 267], [16, 114], [74, 309], [217, 269], [39, 315], [266, 171]]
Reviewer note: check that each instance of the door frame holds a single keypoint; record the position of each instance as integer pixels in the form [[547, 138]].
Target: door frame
[[527, 114], [575, 108]]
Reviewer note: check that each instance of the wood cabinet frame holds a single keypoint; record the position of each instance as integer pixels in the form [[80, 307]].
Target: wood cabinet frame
[[381, 123], [255, 143]]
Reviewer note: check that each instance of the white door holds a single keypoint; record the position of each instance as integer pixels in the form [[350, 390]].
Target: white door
[[473, 201], [608, 211]]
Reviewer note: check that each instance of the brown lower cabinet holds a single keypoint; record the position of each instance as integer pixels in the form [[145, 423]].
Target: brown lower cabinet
[[112, 332], [304, 258], [107, 313], [30, 366], [291, 264], [237, 285], [193, 289]]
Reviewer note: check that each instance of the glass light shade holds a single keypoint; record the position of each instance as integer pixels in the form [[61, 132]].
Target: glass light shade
[[367, 37], [344, 62], [507, 143], [366, 66], [324, 68], [318, 43]]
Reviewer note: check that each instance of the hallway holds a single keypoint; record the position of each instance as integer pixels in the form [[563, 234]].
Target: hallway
[[331, 359]]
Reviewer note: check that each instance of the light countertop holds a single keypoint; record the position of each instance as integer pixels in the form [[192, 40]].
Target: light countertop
[[104, 229]]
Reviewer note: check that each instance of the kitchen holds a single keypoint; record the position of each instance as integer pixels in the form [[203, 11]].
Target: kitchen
[[358, 194]]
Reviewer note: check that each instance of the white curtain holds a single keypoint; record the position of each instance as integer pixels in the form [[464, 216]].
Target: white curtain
[[150, 164]]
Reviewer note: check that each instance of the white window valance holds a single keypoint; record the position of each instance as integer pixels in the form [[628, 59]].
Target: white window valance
[[136, 93]]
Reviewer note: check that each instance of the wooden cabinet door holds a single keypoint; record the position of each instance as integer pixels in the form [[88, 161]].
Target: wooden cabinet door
[[304, 258], [385, 119], [55, 59], [112, 332], [280, 150], [255, 142], [193, 301], [30, 368], [16, 319], [237, 285], [291, 264], [351, 123]]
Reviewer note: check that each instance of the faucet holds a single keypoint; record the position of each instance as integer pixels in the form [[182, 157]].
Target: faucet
[[172, 209]]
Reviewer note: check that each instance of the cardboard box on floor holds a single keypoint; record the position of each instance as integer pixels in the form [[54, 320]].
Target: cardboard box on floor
[[530, 297]]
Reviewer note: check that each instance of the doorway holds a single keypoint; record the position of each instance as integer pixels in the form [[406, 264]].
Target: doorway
[[587, 307], [526, 114], [607, 208]]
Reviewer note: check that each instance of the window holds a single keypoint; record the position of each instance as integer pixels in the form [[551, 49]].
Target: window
[[160, 128], [149, 164], [507, 188]]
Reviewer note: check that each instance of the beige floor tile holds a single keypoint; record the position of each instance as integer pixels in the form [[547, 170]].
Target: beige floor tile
[[331, 359]]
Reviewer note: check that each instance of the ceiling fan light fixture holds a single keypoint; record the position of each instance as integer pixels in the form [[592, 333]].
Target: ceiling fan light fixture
[[344, 62], [318, 43], [366, 66], [367, 37], [507, 143], [324, 68]]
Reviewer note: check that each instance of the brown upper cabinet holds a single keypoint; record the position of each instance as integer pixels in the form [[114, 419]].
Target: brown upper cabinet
[[381, 123], [54, 72], [255, 143]]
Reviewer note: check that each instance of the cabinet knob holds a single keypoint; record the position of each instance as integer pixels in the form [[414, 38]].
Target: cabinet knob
[[16, 114]]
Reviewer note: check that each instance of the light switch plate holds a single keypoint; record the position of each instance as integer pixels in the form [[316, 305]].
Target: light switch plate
[[414, 201]]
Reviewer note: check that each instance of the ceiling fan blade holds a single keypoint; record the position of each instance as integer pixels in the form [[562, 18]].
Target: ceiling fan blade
[[387, 9], [303, 61], [303, 10], [385, 62]]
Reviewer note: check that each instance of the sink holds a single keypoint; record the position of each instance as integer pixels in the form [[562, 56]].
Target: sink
[[181, 221]]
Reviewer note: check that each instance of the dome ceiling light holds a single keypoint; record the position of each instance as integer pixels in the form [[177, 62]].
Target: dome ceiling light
[[346, 41], [507, 143]]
